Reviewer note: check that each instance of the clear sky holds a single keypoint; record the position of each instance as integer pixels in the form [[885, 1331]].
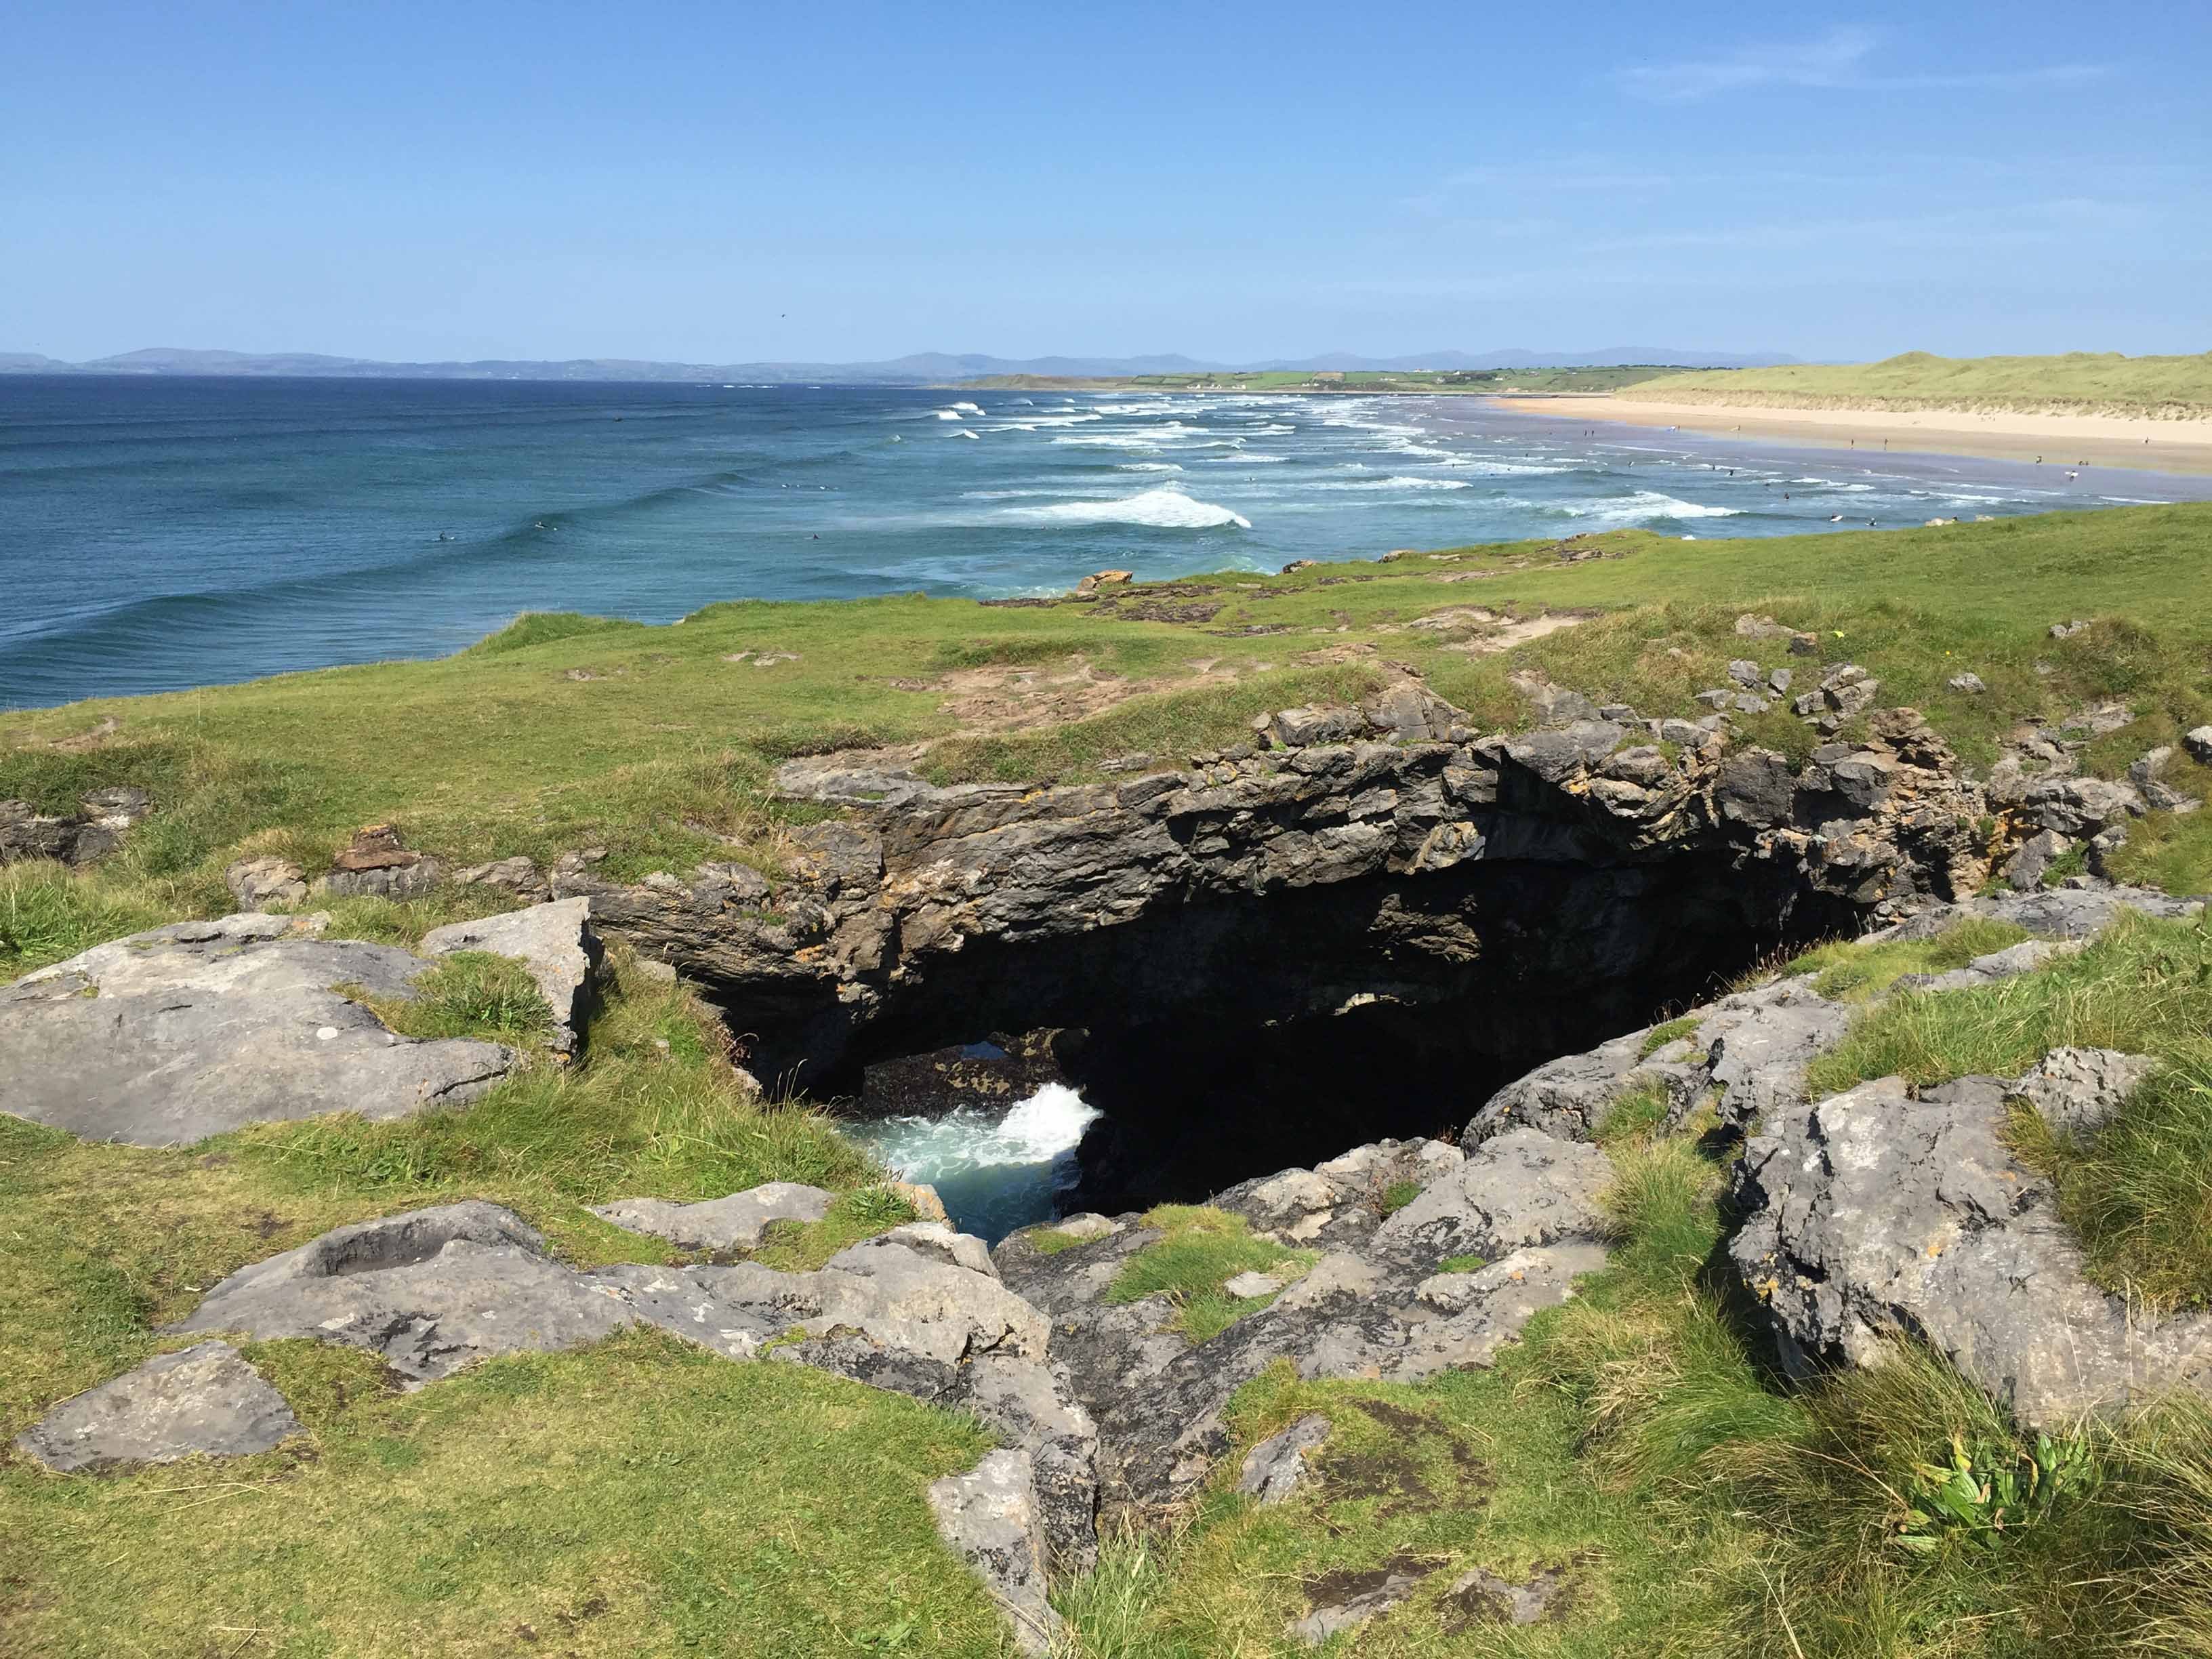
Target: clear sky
[[730, 182]]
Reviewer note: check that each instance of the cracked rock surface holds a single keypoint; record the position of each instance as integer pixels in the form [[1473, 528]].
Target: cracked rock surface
[[185, 1031], [1873, 1215], [205, 1400]]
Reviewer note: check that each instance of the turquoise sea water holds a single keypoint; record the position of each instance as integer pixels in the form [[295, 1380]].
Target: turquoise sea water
[[156, 534]]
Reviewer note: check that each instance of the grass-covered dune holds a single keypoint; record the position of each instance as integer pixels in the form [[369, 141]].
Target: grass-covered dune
[[642, 1498], [2078, 383]]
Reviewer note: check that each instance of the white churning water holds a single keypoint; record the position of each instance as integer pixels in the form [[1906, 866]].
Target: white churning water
[[995, 1171]]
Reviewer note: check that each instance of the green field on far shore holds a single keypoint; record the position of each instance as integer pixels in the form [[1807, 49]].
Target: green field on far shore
[[2078, 383], [1494, 381]]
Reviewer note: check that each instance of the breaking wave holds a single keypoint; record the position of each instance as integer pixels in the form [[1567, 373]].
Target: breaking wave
[[1163, 508]]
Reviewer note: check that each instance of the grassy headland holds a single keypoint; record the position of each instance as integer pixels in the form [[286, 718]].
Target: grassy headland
[[640, 1496]]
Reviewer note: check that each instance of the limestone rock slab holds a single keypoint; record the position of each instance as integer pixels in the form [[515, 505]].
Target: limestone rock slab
[[205, 1400], [185, 1031], [990, 1517], [736, 1222]]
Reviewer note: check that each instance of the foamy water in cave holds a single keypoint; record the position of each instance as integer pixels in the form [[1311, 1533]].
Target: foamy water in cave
[[995, 1170]]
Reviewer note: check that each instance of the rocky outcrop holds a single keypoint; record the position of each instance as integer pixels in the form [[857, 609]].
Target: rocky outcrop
[[1276, 1467], [205, 1400], [185, 1031], [1873, 1215], [377, 865], [1389, 894], [735, 1223], [990, 1517], [554, 941], [920, 1310], [85, 836], [1374, 1306]]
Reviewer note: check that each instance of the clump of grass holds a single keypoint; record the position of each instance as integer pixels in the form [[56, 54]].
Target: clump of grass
[[2143, 986], [1848, 971], [1397, 1195], [471, 993], [48, 915], [1051, 1240], [858, 1215], [1200, 1248], [1462, 1264], [1635, 1115], [1659, 1036]]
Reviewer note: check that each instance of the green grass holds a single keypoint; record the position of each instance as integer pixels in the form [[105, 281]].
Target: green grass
[[1397, 1195], [1659, 1036], [1199, 1250], [471, 993], [641, 1497], [2083, 381], [1051, 1240], [1846, 971]]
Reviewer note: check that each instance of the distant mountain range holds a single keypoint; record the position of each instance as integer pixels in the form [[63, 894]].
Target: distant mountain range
[[923, 368]]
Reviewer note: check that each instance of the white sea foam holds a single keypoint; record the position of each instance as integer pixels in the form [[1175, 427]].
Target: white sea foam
[[967, 434], [1109, 440], [1643, 507], [1490, 467], [972, 409], [948, 414], [1165, 508], [992, 1173], [1146, 466], [1400, 482], [1244, 458]]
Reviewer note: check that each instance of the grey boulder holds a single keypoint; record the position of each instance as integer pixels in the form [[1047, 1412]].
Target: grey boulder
[[185, 1031], [1521, 1188], [737, 1222], [554, 941], [205, 1400], [1276, 1467], [2080, 1089], [1871, 1216], [989, 1515], [256, 883]]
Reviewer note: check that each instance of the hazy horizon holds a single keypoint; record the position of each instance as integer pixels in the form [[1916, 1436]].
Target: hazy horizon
[[504, 182]]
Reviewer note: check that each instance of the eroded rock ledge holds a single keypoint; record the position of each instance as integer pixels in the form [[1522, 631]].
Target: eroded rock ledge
[[1356, 895]]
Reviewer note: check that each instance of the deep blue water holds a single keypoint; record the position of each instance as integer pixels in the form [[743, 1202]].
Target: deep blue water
[[156, 534]]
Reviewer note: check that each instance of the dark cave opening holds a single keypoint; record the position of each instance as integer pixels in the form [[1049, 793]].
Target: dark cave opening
[[1234, 1035]]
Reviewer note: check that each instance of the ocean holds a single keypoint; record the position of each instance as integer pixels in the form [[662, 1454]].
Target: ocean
[[157, 534]]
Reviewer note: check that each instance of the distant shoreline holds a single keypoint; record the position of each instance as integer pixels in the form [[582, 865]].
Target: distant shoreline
[[2111, 440]]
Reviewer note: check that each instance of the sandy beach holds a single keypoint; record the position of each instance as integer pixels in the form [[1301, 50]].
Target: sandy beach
[[2060, 439]]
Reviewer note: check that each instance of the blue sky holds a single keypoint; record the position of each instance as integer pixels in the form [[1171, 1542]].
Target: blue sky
[[732, 182]]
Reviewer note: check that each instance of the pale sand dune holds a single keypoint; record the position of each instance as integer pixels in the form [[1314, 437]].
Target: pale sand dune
[[2060, 439]]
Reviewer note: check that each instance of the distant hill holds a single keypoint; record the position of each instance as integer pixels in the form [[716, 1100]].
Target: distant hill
[[2079, 382], [922, 369]]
